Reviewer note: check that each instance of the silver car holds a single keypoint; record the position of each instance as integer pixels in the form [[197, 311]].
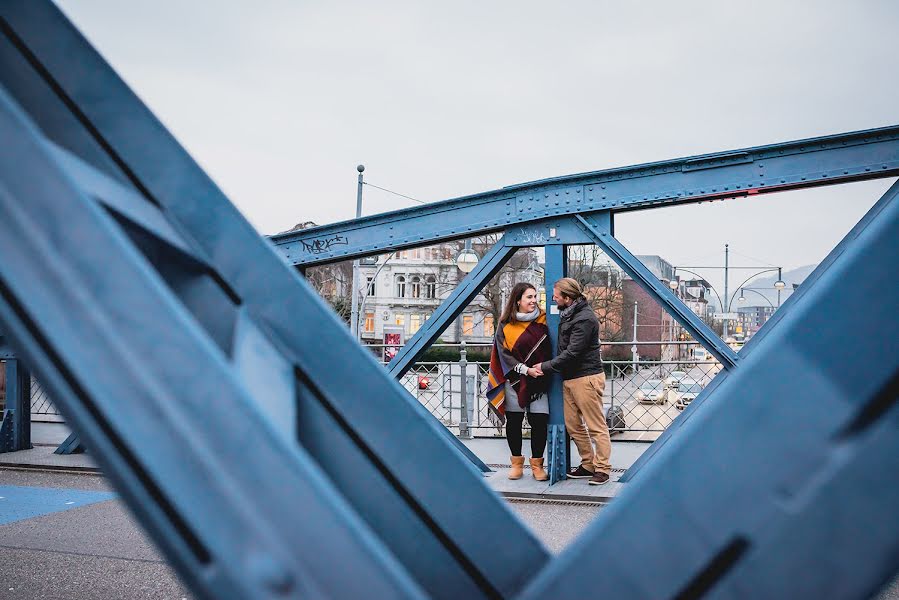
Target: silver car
[[685, 392], [651, 391]]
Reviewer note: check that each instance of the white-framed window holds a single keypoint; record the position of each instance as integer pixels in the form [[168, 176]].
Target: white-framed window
[[468, 325], [369, 286], [414, 323], [369, 321], [415, 286], [430, 287], [489, 326], [400, 320], [400, 286]]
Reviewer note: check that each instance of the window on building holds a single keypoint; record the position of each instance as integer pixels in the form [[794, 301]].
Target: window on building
[[369, 321], [430, 287], [416, 253], [415, 285], [369, 286], [400, 286], [414, 323], [402, 254], [467, 325], [489, 327], [400, 320]]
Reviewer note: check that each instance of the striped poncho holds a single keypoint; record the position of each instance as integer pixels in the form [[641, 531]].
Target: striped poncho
[[517, 342]]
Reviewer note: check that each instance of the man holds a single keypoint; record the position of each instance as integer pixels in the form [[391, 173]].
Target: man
[[579, 363]]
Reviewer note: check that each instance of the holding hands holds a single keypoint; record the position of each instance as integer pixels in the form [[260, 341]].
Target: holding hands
[[535, 371]]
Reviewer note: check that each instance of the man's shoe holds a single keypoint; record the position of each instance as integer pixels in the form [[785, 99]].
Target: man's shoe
[[599, 479], [579, 472]]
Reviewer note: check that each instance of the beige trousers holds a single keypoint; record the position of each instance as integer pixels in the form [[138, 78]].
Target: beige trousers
[[584, 420]]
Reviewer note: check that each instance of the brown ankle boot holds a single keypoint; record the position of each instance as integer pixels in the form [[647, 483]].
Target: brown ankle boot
[[537, 469], [517, 466]]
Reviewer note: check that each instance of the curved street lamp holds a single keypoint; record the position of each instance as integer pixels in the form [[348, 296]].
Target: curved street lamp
[[467, 259], [726, 306], [742, 298], [360, 312]]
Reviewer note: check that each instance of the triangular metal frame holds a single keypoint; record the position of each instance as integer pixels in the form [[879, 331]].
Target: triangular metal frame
[[241, 421]]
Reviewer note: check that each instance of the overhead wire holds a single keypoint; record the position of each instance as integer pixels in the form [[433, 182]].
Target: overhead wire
[[394, 193]]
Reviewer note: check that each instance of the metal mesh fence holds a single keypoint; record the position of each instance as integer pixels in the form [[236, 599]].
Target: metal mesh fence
[[641, 399], [42, 408]]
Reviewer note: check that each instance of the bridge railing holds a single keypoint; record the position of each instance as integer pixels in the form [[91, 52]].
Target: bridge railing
[[642, 397]]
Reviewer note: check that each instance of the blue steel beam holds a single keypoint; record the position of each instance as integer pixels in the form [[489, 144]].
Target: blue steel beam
[[451, 307], [192, 312], [558, 446], [201, 528], [663, 295], [790, 476], [680, 425], [791, 165], [5, 350]]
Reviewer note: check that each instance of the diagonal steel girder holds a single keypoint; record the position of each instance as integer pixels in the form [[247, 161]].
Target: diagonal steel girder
[[826, 160], [179, 343], [683, 424], [664, 296], [450, 308]]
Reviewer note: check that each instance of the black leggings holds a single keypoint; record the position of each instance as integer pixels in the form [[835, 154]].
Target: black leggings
[[538, 423]]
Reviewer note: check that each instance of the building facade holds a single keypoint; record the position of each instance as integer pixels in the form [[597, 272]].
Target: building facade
[[402, 290]]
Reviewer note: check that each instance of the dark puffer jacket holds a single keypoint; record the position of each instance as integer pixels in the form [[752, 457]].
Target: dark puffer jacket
[[578, 354]]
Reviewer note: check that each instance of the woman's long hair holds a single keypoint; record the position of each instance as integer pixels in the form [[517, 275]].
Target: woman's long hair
[[514, 296]]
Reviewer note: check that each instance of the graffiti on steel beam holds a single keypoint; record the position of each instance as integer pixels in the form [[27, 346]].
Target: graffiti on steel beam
[[320, 245], [531, 236]]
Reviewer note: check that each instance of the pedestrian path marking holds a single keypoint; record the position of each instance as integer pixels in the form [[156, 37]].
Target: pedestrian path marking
[[18, 503]]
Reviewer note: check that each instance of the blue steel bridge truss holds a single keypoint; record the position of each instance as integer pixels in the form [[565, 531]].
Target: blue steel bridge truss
[[269, 455]]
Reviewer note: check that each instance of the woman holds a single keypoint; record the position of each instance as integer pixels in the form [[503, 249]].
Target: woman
[[522, 341]]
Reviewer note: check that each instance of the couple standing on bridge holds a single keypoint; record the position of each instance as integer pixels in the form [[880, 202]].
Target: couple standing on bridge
[[521, 359]]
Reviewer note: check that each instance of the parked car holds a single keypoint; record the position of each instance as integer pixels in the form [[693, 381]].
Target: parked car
[[651, 391], [685, 392], [674, 378]]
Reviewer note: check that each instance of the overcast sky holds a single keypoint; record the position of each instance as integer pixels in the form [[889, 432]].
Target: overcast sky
[[280, 100]]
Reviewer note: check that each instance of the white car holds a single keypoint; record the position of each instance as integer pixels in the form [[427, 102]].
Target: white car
[[651, 391], [685, 392], [674, 378]]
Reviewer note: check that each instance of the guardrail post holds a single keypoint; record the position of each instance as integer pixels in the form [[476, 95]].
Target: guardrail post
[[464, 424]]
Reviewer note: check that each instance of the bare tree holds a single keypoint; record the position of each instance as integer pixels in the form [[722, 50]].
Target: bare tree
[[333, 282], [602, 283]]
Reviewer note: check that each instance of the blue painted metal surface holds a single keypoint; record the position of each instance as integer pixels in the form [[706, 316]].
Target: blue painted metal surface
[[791, 165], [708, 394], [18, 503], [451, 307], [637, 270], [788, 492], [5, 350], [558, 446], [215, 303], [312, 438], [71, 445], [15, 420]]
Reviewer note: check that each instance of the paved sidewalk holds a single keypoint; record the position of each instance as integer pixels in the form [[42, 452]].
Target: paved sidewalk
[[493, 451]]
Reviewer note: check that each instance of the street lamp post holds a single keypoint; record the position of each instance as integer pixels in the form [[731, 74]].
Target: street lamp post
[[726, 309], [354, 300], [364, 299], [726, 302]]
